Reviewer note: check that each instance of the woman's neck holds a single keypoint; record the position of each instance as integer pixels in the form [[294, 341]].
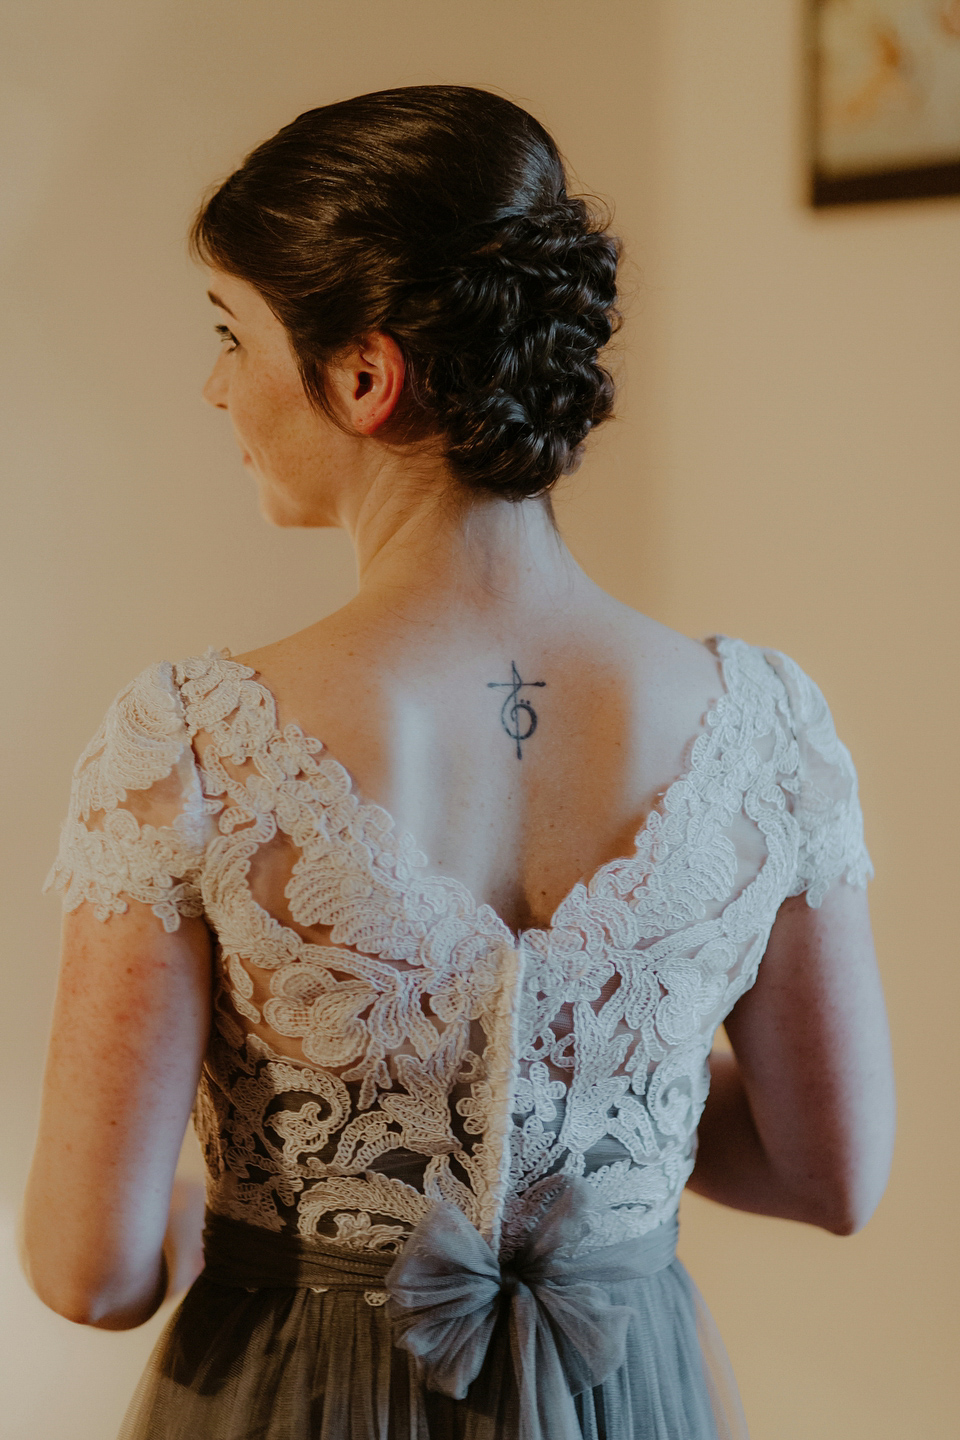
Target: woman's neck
[[423, 546]]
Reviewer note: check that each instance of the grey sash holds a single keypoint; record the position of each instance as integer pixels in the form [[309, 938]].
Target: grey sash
[[447, 1290]]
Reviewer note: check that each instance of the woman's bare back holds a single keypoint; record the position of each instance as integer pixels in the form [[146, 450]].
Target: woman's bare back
[[344, 877], [521, 752]]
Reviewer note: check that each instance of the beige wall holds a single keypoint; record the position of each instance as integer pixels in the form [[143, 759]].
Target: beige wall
[[781, 471], [802, 377]]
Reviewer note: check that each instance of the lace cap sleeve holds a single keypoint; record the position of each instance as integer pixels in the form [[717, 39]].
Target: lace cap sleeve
[[827, 804], [138, 821]]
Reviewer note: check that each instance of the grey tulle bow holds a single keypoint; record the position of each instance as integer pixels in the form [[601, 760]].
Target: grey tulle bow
[[446, 1289]]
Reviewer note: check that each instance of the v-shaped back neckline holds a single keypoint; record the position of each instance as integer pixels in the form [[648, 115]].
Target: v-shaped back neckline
[[717, 642]]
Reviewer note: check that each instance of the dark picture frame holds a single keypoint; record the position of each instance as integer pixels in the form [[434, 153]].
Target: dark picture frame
[[883, 100]]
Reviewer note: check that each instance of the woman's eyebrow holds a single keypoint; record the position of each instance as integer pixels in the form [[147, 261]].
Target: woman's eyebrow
[[219, 303]]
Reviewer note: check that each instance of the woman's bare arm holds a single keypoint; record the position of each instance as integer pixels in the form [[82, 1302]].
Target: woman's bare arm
[[130, 1027], [800, 1118]]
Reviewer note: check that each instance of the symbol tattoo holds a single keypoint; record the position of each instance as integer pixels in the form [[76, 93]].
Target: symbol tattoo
[[510, 714]]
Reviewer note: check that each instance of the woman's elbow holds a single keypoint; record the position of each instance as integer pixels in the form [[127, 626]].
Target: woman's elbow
[[75, 1305], [851, 1211], [851, 1196], [846, 1219], [114, 1303], [103, 1313]]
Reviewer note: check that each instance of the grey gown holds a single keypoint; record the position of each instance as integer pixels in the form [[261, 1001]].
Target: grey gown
[[444, 1160]]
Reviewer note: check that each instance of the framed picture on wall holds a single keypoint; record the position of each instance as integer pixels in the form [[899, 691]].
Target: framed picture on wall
[[885, 99]]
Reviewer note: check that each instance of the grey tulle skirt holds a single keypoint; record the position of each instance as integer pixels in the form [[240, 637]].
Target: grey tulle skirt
[[280, 1359]]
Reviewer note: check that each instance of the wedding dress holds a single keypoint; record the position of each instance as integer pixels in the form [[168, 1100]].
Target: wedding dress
[[444, 1160]]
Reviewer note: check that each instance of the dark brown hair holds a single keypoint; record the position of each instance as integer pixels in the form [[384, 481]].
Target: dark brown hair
[[438, 214]]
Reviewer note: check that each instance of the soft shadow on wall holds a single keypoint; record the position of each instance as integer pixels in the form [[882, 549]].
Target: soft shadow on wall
[[133, 533], [783, 469], [800, 416]]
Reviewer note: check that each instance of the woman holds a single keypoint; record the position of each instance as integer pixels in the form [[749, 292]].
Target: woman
[[441, 901]]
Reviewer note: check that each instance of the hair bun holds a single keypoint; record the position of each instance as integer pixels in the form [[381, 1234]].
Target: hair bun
[[519, 385], [439, 214]]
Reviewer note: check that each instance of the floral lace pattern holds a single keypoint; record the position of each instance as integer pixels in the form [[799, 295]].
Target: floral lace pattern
[[105, 853], [390, 1041]]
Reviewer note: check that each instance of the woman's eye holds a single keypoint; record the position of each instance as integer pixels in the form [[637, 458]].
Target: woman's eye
[[226, 334]]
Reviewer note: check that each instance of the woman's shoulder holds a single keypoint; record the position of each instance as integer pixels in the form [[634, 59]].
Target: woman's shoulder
[[763, 683], [335, 668], [339, 662], [155, 715], [327, 651], [675, 677], [325, 648]]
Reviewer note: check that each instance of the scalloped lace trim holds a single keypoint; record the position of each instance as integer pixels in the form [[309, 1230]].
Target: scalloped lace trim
[[105, 853], [436, 1055]]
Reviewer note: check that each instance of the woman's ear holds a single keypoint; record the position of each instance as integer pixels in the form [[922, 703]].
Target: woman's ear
[[370, 381]]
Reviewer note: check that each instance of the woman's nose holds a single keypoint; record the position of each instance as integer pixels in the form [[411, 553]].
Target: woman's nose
[[215, 390]]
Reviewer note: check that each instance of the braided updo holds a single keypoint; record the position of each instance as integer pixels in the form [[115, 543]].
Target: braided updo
[[439, 215]]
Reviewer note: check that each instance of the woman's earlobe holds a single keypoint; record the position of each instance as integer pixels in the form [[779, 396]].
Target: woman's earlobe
[[378, 389]]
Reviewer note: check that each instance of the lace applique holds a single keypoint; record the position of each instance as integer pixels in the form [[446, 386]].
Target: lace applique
[[390, 1042], [139, 762], [827, 808], [412, 974], [640, 965]]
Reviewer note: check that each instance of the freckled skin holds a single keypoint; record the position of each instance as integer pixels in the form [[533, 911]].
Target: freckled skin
[[452, 592], [310, 471]]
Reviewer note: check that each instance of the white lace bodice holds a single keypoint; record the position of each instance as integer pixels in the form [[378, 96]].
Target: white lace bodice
[[381, 1039]]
